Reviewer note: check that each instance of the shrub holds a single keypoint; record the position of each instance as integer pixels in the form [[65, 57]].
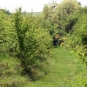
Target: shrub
[[33, 44]]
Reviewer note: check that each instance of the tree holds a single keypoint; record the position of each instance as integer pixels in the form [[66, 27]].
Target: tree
[[49, 11], [6, 32], [66, 9], [45, 11], [34, 43], [58, 16], [21, 30], [77, 38]]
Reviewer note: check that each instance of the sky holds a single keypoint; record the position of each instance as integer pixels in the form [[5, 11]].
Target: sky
[[29, 5]]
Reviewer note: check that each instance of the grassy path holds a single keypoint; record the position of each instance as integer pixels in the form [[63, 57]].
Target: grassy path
[[66, 70]]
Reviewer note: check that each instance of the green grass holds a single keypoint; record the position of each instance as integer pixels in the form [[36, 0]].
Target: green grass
[[10, 72], [65, 70]]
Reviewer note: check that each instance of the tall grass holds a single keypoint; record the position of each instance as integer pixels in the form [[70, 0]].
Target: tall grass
[[65, 70], [10, 72]]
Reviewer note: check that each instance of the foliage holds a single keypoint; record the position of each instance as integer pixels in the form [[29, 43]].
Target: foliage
[[60, 14], [6, 32], [28, 38], [77, 39], [66, 70], [33, 44], [26, 43], [10, 71], [65, 67]]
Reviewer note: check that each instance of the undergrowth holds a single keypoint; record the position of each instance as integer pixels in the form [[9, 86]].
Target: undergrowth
[[65, 70]]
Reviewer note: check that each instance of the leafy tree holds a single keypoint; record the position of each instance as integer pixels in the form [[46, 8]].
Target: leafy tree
[[34, 42], [61, 12], [49, 11], [6, 31], [66, 9], [45, 11], [77, 39]]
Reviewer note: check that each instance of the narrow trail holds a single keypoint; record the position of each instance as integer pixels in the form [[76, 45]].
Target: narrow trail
[[66, 70]]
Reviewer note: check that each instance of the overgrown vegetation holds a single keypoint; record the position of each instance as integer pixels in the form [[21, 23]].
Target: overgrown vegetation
[[69, 19], [27, 44], [66, 70], [26, 40]]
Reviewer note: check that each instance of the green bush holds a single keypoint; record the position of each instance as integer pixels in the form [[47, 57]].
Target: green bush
[[77, 39], [33, 44]]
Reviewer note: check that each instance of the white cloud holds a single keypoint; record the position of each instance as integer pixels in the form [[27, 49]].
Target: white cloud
[[28, 5], [83, 2]]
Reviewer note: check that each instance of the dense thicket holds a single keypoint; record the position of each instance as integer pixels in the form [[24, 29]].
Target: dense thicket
[[59, 14], [77, 39], [27, 38], [69, 20], [30, 38]]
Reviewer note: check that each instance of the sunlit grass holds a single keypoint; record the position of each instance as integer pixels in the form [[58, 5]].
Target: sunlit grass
[[10, 72], [65, 70]]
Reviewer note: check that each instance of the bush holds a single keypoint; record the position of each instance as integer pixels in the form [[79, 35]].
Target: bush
[[33, 44], [77, 39]]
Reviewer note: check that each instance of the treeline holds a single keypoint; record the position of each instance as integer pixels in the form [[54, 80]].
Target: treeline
[[70, 21]]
